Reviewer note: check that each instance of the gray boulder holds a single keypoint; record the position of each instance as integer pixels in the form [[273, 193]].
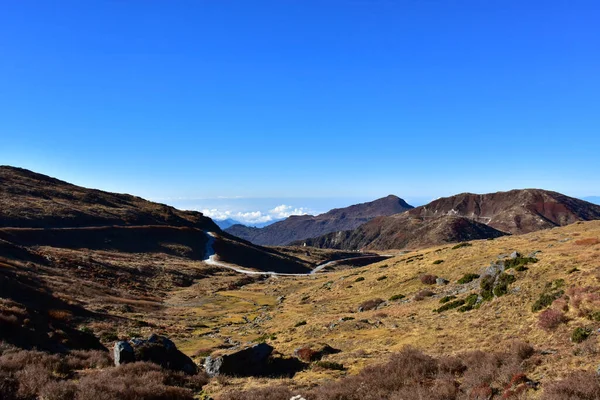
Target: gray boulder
[[156, 349], [442, 281], [123, 353], [246, 362], [514, 254]]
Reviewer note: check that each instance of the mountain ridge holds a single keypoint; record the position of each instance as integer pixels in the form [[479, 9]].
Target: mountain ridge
[[298, 227]]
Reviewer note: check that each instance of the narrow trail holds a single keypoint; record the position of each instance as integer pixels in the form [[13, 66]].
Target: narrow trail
[[210, 258]]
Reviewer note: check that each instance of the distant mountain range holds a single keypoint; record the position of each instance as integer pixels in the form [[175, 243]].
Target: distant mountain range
[[226, 223], [463, 217], [305, 226]]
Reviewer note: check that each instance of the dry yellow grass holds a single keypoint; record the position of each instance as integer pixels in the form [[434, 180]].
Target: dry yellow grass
[[323, 301]]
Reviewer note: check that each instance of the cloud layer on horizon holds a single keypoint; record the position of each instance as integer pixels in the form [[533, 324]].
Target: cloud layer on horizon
[[255, 217]]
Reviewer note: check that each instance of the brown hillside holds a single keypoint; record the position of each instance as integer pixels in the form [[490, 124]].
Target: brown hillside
[[403, 231], [515, 212]]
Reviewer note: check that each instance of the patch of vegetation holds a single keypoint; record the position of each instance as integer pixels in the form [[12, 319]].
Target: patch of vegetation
[[487, 287], [381, 278], [370, 304], [347, 318], [470, 302], [428, 279], [436, 262], [461, 245], [450, 305], [502, 283], [467, 278], [446, 299], [572, 270], [397, 297], [330, 365], [519, 262], [521, 268], [580, 334], [301, 323], [422, 294], [264, 337], [545, 300], [359, 279], [383, 266], [551, 319], [594, 316]]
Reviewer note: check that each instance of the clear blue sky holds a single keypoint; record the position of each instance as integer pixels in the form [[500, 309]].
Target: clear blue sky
[[300, 98]]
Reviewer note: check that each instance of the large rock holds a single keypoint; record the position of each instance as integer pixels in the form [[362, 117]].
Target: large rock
[[246, 362], [123, 353], [156, 349]]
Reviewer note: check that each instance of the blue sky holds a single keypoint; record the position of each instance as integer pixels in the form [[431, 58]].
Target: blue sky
[[296, 101]]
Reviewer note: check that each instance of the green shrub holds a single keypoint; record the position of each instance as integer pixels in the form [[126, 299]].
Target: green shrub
[[521, 268], [487, 287], [594, 316], [438, 262], [461, 245], [470, 302], [264, 337], [545, 300], [301, 323], [450, 305], [381, 278], [359, 279], [501, 287], [519, 262], [446, 299], [580, 334], [330, 365], [397, 297], [468, 278]]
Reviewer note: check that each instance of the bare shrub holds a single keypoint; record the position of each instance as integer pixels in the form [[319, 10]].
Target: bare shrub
[[270, 393], [428, 279], [421, 295], [134, 381], [550, 319], [370, 304], [577, 386]]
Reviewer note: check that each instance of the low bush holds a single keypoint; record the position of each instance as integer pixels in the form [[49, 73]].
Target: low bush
[[446, 299], [436, 262], [450, 305], [397, 297], [519, 262], [551, 319], [329, 365], [580, 334], [487, 287], [578, 385], [545, 300], [470, 302], [461, 245], [428, 279], [370, 304], [421, 295], [359, 279], [502, 283], [381, 278], [572, 270], [301, 323], [467, 278]]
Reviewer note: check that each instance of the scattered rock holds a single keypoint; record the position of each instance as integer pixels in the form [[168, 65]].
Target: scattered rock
[[514, 254], [441, 281], [156, 349], [246, 362], [123, 353]]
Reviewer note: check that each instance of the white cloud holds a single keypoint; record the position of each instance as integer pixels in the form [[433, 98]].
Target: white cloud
[[284, 211], [255, 217]]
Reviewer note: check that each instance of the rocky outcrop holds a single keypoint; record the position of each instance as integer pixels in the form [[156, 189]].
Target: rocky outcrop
[[156, 349], [246, 362]]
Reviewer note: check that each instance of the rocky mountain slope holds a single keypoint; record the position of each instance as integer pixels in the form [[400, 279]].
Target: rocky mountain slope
[[306, 226], [465, 216]]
